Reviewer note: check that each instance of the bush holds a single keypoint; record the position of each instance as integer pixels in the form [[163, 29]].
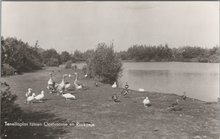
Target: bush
[[104, 64], [68, 64], [7, 70], [10, 112], [21, 56]]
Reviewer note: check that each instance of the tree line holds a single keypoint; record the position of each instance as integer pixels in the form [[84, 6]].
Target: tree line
[[164, 53], [18, 56]]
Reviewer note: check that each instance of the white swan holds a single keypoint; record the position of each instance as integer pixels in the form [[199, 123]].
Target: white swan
[[86, 75], [146, 102], [77, 86], [67, 86], [114, 85], [28, 92], [68, 96], [141, 89], [61, 87], [30, 98], [50, 81], [40, 96]]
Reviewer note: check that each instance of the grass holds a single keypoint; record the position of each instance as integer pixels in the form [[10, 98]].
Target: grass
[[127, 119]]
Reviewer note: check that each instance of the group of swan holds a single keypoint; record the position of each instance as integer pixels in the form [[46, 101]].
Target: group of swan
[[63, 85], [32, 96]]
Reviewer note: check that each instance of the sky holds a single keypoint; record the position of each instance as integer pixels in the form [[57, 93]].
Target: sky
[[82, 25]]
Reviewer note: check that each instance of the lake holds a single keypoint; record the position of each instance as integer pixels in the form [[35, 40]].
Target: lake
[[198, 80]]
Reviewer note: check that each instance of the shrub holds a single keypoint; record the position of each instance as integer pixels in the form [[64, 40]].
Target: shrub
[[68, 64], [7, 70], [104, 64], [20, 55], [10, 112]]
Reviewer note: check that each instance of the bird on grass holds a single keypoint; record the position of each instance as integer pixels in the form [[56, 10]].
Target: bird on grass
[[146, 102], [96, 84], [175, 104], [115, 98], [114, 85], [77, 86], [50, 81], [51, 84], [61, 87], [184, 96], [125, 90], [40, 96], [30, 98], [67, 85], [176, 108], [68, 96], [29, 92], [141, 90]]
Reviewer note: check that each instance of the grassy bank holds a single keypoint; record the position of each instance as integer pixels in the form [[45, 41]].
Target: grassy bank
[[127, 119]]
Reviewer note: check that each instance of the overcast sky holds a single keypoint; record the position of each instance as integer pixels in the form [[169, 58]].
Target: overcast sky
[[82, 25]]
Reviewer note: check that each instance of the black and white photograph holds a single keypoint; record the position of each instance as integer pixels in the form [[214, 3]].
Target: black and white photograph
[[110, 69]]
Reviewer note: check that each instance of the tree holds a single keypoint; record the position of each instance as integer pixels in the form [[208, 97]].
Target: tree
[[65, 56], [9, 110], [77, 56], [104, 64], [51, 57], [20, 55]]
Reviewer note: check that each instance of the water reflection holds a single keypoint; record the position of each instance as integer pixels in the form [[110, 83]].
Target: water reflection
[[201, 82]]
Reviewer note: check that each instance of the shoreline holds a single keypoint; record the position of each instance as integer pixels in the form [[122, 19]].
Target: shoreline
[[126, 118]]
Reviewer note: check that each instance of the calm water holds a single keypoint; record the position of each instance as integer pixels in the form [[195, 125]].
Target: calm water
[[198, 80]]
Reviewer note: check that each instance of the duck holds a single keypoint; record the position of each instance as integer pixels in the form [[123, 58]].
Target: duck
[[40, 96], [125, 90], [30, 98], [146, 102], [115, 98], [126, 86], [114, 85], [77, 86], [184, 96], [141, 90], [96, 84], [28, 92], [68, 96], [175, 104], [176, 109]]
